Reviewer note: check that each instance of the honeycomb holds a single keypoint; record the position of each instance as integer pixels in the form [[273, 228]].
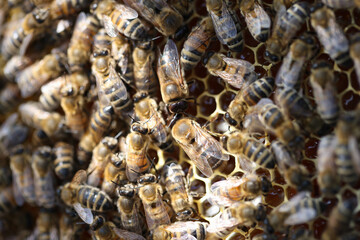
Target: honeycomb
[[213, 98]]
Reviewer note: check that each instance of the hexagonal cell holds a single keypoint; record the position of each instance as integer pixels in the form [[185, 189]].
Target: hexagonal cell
[[275, 197], [207, 105], [215, 85], [350, 100], [225, 100]]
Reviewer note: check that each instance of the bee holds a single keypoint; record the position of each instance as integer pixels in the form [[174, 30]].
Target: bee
[[7, 201], [290, 72], [46, 225], [344, 4], [183, 7], [248, 96], [144, 74], [257, 20], [114, 172], [120, 18], [323, 81], [151, 121], [103, 230], [5, 175], [99, 160], [99, 121], [9, 97], [198, 144], [226, 24], [39, 138], [121, 53], [233, 71], [33, 77], [64, 160], [81, 41], [15, 65], [234, 189], [196, 44], [68, 229], [128, 207], [60, 9], [286, 28], [340, 219], [12, 133], [355, 53], [295, 174], [181, 230], [102, 41], [84, 198], [137, 161], [165, 19], [31, 26], [150, 193], [43, 177], [330, 35], [23, 180], [85, 147], [299, 209], [240, 143], [173, 87], [177, 187]]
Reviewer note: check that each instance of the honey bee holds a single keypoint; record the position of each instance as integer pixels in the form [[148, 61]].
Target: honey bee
[[295, 174], [46, 225], [9, 98], [84, 198], [102, 41], [114, 173], [99, 160], [121, 53], [81, 41], [286, 28], [64, 160], [68, 229], [120, 18], [177, 187], [180, 230], [240, 143], [331, 35], [196, 44], [248, 96], [85, 147], [234, 189], [173, 87], [33, 115], [183, 7], [43, 177], [23, 180], [290, 72], [151, 121], [60, 9], [32, 25], [257, 20], [15, 65], [128, 206], [198, 144], [336, 4], [137, 162], [103, 230], [165, 19], [99, 121], [233, 71], [226, 24], [39, 138], [12, 133], [340, 219], [322, 80], [33, 77], [355, 53], [144, 74], [299, 209], [150, 193]]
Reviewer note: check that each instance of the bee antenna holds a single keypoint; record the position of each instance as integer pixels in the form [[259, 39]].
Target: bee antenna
[[118, 134], [116, 183], [175, 118], [133, 119], [153, 165]]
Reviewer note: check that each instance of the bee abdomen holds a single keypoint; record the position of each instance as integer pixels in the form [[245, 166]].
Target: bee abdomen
[[261, 88], [272, 116], [344, 164], [258, 153], [94, 199]]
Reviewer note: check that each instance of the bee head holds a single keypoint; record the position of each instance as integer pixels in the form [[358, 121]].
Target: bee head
[[140, 96], [148, 178], [136, 127], [126, 192], [102, 53], [40, 15], [230, 120], [178, 107]]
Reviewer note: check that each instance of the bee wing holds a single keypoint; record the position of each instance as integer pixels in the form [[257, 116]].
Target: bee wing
[[237, 80], [123, 234], [19, 199], [246, 165], [150, 220], [290, 70], [110, 27], [220, 201], [282, 156], [326, 152], [219, 223], [126, 11], [84, 213], [79, 177], [302, 216], [292, 202], [231, 182], [123, 54], [25, 44], [224, 24], [80, 20], [257, 20]]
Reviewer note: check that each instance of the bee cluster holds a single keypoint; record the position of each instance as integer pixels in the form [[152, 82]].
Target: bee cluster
[[189, 119]]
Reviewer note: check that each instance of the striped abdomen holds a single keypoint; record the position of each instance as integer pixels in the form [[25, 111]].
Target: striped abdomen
[[7, 200], [261, 88], [271, 116], [144, 74], [344, 163], [9, 97], [93, 198], [235, 43], [197, 230], [136, 164], [64, 160], [131, 28], [99, 122], [85, 147], [11, 45], [102, 41], [257, 152], [65, 8]]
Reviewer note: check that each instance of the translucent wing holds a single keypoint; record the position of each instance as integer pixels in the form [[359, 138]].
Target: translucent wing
[[79, 177], [123, 234], [110, 28], [282, 156], [80, 22], [19, 199], [25, 44], [257, 20], [160, 208], [173, 70], [185, 236], [326, 153], [27, 185], [231, 182], [289, 72], [292, 202], [123, 55], [224, 25], [220, 223], [302, 216], [126, 11], [246, 165], [84, 213]]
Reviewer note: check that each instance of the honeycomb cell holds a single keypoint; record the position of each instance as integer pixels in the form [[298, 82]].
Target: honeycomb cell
[[197, 187], [290, 192], [341, 81], [350, 100], [208, 105], [311, 146], [196, 87], [319, 227], [348, 194], [246, 54], [215, 85], [343, 18], [330, 203], [225, 100], [275, 197], [354, 81]]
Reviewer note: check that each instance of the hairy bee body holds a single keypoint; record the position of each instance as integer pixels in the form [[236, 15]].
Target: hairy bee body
[[15, 65], [9, 98], [99, 122], [66, 8], [64, 160], [180, 230]]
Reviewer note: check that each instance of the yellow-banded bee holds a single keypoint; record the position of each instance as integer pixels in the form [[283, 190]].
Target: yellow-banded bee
[[114, 173], [7, 200], [285, 29], [179, 230], [68, 229], [241, 144], [150, 193], [121, 53], [233, 71], [33, 115], [341, 4], [165, 19], [257, 20], [46, 225], [102, 41], [66, 8], [15, 65], [81, 41], [99, 121], [323, 82], [120, 18], [248, 96], [33, 77], [177, 187], [331, 35], [9, 98], [64, 160], [226, 24], [84, 198], [197, 43], [199, 145], [355, 53], [43, 177], [85, 147]]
